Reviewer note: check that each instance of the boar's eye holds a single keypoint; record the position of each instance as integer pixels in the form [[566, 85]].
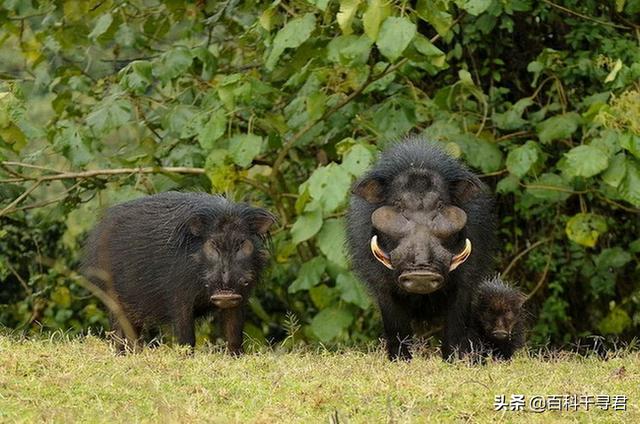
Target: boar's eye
[[246, 249], [210, 250]]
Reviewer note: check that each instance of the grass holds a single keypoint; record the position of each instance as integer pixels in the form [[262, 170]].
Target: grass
[[80, 380]]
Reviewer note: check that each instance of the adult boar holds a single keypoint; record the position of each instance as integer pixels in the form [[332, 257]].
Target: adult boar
[[172, 257], [420, 230]]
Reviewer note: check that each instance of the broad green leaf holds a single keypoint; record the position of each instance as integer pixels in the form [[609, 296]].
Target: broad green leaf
[[292, 35], [13, 136], [465, 77], [474, 7], [631, 143], [608, 143], [306, 226], [208, 60], [614, 257], [309, 274], [435, 56], [616, 171], [616, 322], [395, 35], [521, 159], [173, 63], [316, 105], [244, 148], [320, 4], [480, 153], [213, 129], [357, 160], [331, 241], [614, 72], [508, 184], [349, 50], [125, 36], [179, 121], [512, 119], [101, 26], [436, 13], [352, 290], [347, 12], [329, 185], [109, 114], [222, 177], [70, 143], [137, 76], [558, 127], [585, 161], [550, 187], [629, 188], [394, 118], [323, 296], [330, 322], [377, 11], [585, 228]]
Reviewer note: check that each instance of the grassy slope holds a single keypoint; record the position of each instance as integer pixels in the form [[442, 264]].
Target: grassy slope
[[81, 380]]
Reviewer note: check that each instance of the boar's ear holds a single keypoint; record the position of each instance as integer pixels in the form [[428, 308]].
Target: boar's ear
[[262, 220], [370, 189], [464, 190]]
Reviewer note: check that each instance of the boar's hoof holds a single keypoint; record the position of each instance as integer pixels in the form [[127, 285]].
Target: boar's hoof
[[421, 282], [226, 300]]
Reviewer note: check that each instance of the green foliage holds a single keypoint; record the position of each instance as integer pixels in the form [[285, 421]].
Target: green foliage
[[286, 104]]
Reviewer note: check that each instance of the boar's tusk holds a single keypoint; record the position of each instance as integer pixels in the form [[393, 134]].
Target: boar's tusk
[[462, 256], [379, 254]]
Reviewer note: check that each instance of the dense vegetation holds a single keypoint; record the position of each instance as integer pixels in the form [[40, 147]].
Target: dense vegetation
[[283, 104]]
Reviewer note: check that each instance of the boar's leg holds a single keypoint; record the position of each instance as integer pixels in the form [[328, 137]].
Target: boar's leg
[[232, 325], [397, 329], [459, 339], [184, 327], [153, 337]]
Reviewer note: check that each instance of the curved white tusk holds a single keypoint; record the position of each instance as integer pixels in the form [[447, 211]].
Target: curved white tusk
[[379, 254], [462, 256]]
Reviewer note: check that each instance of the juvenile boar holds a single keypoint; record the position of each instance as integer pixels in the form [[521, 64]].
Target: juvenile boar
[[420, 231], [497, 319], [173, 257]]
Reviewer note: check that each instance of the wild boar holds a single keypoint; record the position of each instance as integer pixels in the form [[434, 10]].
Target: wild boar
[[421, 233], [172, 257]]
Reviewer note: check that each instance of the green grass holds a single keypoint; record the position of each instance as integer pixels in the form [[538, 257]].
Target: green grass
[[81, 380]]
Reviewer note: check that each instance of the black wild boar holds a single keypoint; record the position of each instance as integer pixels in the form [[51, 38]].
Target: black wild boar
[[497, 319], [172, 257], [420, 231]]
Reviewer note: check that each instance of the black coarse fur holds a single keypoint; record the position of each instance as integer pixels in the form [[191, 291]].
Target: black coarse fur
[[451, 302], [162, 257], [497, 308]]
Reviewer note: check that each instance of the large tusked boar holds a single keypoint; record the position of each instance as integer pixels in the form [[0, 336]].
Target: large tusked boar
[[420, 230], [172, 257]]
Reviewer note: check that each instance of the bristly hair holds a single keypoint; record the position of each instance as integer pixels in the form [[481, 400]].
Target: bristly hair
[[495, 287]]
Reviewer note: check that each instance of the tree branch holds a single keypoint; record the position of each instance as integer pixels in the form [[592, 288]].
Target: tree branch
[[521, 254], [59, 175]]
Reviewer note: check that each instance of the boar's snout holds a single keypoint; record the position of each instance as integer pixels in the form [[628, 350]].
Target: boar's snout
[[500, 334], [421, 282], [226, 300]]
